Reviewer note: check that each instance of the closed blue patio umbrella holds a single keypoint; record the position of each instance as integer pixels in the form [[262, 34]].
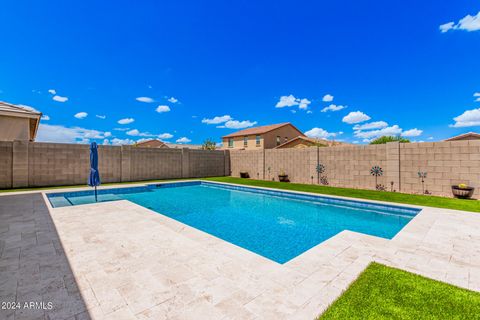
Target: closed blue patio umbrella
[[94, 177]]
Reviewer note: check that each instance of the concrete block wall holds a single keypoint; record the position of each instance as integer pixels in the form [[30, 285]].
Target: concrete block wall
[[205, 163], [153, 163], [299, 164], [27, 164], [349, 166], [250, 161], [446, 164], [6, 164]]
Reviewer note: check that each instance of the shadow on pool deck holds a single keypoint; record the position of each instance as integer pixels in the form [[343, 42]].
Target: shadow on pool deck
[[33, 264]]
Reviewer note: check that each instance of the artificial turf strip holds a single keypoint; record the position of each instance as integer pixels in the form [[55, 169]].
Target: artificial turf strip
[[413, 199], [382, 292]]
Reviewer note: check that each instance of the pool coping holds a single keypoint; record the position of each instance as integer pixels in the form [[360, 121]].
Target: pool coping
[[319, 195], [313, 279]]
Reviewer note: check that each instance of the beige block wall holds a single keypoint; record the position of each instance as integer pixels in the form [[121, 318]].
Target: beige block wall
[[349, 166], [446, 164], [24, 164], [205, 163], [150, 163], [6, 149], [248, 161]]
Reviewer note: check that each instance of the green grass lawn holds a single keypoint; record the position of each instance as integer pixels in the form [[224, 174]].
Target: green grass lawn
[[413, 199], [386, 293]]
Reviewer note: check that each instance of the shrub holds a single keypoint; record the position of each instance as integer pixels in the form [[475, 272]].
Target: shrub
[[385, 139]]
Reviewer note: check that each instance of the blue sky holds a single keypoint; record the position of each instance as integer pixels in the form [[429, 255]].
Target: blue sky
[[392, 67]]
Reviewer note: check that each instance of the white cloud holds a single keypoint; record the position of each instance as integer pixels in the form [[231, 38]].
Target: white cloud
[[303, 103], [286, 101], [126, 121], [309, 111], [333, 107], [469, 118], [60, 98], [430, 138], [467, 23], [161, 109], [106, 142], [165, 136], [45, 117], [107, 134], [477, 96], [81, 115], [121, 129], [235, 124], [183, 140], [412, 133], [355, 117], [327, 98], [217, 120], [388, 131], [52, 91], [293, 111], [172, 100], [58, 133], [118, 142], [446, 26], [145, 99], [319, 133], [371, 125], [136, 133], [290, 101], [100, 116]]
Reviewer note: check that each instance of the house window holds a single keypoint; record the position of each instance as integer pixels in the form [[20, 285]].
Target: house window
[[257, 140], [278, 140], [245, 141], [230, 142]]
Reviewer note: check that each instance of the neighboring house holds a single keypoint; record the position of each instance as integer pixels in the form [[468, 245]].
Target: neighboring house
[[465, 136], [154, 143], [18, 123], [306, 142], [265, 137], [183, 145]]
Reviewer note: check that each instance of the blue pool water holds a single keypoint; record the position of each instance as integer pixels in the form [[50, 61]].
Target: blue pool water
[[277, 225]]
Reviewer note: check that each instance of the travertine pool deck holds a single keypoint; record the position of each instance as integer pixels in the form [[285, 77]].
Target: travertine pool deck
[[118, 260]]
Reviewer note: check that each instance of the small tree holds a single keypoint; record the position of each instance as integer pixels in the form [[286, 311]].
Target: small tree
[[209, 144], [385, 139]]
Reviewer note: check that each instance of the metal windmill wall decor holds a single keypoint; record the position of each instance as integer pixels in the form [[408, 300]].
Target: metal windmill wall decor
[[320, 170], [377, 171]]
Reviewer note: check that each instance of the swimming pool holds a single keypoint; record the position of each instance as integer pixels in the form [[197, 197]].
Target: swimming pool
[[275, 224]]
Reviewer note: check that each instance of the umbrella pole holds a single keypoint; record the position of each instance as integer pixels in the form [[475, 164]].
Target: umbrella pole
[[96, 194]]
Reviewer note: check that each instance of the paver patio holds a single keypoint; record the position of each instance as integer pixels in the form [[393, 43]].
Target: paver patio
[[118, 260]]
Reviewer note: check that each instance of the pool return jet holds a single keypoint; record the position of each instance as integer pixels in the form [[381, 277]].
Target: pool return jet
[[94, 177]]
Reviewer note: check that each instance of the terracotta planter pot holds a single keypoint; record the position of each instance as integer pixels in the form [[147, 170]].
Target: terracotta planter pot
[[462, 193]]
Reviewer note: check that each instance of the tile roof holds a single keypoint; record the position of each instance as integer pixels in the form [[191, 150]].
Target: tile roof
[[465, 135], [258, 130], [19, 109]]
